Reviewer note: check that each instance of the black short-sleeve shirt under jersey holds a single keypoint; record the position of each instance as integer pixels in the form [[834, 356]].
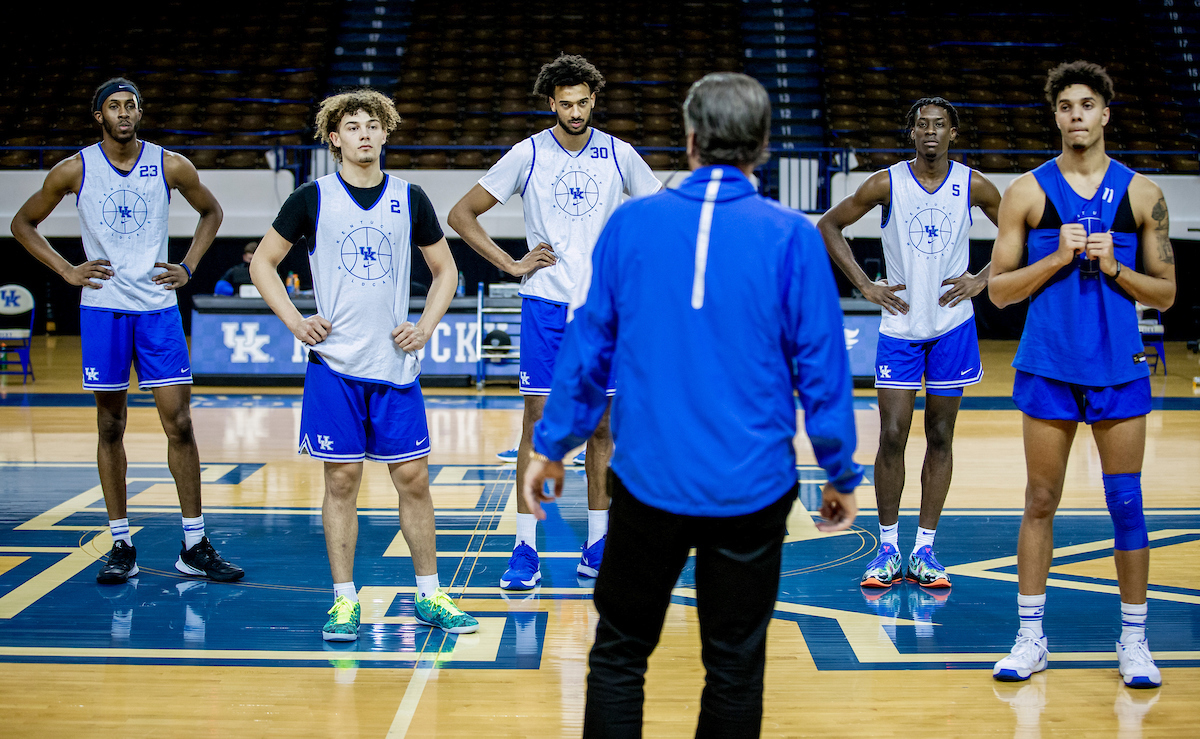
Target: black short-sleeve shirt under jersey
[[298, 217]]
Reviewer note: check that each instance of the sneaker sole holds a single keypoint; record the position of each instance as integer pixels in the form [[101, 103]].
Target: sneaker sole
[[1012, 676], [117, 579], [874, 582], [941, 582], [587, 571], [187, 569], [338, 637], [450, 630], [1141, 682], [521, 584]]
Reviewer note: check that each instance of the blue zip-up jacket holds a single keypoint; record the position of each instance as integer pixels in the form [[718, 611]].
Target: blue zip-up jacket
[[714, 304]]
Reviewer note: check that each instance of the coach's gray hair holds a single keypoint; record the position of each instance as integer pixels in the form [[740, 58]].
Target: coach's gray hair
[[730, 114]]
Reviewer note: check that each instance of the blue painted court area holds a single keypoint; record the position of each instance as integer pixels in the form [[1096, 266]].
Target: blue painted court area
[[52, 610]]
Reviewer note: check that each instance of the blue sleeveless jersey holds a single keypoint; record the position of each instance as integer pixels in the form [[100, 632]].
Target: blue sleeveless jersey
[[1083, 330]]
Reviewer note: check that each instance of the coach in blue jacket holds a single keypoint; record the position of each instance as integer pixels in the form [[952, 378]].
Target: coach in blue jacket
[[714, 304]]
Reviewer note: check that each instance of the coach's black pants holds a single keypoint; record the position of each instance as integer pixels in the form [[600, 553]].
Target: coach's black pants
[[737, 579]]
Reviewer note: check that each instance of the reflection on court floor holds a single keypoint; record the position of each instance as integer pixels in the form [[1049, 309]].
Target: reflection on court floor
[[53, 528]]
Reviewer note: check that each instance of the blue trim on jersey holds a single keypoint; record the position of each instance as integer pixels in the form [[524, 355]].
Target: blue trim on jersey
[[532, 162], [887, 213], [970, 215], [411, 242], [939, 187], [141, 151], [312, 247], [82, 177], [353, 199], [612, 147], [162, 167], [579, 153]]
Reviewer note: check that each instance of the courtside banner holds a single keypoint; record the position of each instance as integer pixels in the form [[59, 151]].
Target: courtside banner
[[258, 344]]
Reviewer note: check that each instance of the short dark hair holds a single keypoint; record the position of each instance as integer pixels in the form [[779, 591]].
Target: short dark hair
[[943, 103], [1078, 73], [730, 114], [97, 102], [565, 71]]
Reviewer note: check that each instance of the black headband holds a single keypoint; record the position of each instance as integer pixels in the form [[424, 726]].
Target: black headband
[[114, 87]]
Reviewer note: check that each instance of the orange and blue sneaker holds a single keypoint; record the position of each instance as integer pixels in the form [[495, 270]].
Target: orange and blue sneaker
[[440, 612], [343, 620], [589, 561], [925, 570], [524, 569], [885, 570]]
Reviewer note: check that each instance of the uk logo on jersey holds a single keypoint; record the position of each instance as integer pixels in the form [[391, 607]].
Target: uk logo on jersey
[[576, 193], [124, 211], [367, 253], [930, 231]]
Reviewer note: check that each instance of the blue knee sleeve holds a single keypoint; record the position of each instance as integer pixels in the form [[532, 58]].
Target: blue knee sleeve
[[1123, 494]]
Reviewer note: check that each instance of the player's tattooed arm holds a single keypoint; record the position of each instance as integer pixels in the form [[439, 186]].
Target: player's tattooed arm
[[1162, 230], [1153, 283]]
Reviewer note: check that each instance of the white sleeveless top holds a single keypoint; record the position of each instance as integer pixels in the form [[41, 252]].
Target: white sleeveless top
[[360, 263], [123, 218], [925, 241], [567, 197]]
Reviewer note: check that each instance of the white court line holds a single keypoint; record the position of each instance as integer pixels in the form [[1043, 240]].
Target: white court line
[[408, 704]]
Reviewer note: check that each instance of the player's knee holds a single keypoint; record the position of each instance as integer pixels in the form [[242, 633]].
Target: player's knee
[[893, 437], [939, 437], [178, 426], [1041, 501], [111, 427], [1123, 494], [341, 481]]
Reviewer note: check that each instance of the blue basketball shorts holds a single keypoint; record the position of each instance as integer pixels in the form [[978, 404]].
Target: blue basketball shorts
[[542, 327], [152, 342], [948, 362], [1054, 400], [344, 420]]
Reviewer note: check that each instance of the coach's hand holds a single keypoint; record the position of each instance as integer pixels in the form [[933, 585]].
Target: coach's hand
[[82, 276], [174, 278], [540, 256], [409, 336], [964, 287], [881, 293], [838, 509], [537, 473], [311, 330]]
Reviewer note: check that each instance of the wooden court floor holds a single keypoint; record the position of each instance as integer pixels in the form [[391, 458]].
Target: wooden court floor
[[165, 656]]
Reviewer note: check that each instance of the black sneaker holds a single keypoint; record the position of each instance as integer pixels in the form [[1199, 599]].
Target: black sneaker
[[203, 561], [121, 564]]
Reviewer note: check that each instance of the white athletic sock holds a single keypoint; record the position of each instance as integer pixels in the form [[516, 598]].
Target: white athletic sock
[[1030, 608], [346, 590], [890, 535], [193, 531], [427, 585], [120, 530], [1133, 622], [597, 525], [526, 530], [924, 538]]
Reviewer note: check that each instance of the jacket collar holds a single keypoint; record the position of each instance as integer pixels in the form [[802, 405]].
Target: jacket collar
[[733, 184]]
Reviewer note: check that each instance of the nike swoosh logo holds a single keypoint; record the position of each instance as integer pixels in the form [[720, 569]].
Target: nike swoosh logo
[[960, 374], [185, 369], [422, 441]]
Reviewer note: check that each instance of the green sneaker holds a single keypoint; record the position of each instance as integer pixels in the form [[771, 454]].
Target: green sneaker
[[884, 570], [343, 621], [440, 612]]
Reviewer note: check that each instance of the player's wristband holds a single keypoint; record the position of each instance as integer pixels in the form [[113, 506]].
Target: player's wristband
[[185, 269], [1118, 272]]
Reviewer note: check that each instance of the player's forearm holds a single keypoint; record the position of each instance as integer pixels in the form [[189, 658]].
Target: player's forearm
[[1012, 287], [1153, 292], [467, 226], [265, 277], [841, 254], [437, 300], [202, 238]]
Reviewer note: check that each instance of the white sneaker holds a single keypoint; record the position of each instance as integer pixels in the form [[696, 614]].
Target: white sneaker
[[1028, 656], [1137, 666]]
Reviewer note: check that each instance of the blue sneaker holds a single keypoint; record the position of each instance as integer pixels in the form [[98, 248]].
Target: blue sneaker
[[581, 458], [508, 455], [925, 570], [589, 561], [524, 569], [884, 570]]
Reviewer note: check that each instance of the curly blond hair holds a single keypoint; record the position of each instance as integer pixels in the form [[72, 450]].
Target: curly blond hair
[[333, 109]]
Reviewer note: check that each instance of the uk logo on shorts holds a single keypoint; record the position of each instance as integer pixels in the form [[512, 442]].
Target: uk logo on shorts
[[125, 211], [930, 231], [91, 373], [367, 253], [325, 443], [576, 193], [885, 371]]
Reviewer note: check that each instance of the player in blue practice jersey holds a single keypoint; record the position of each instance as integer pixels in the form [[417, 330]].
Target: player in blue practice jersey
[[361, 395], [128, 310], [570, 178], [1084, 219], [928, 324]]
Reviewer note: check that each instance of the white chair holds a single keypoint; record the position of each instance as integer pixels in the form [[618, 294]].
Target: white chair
[[16, 334], [1152, 337]]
